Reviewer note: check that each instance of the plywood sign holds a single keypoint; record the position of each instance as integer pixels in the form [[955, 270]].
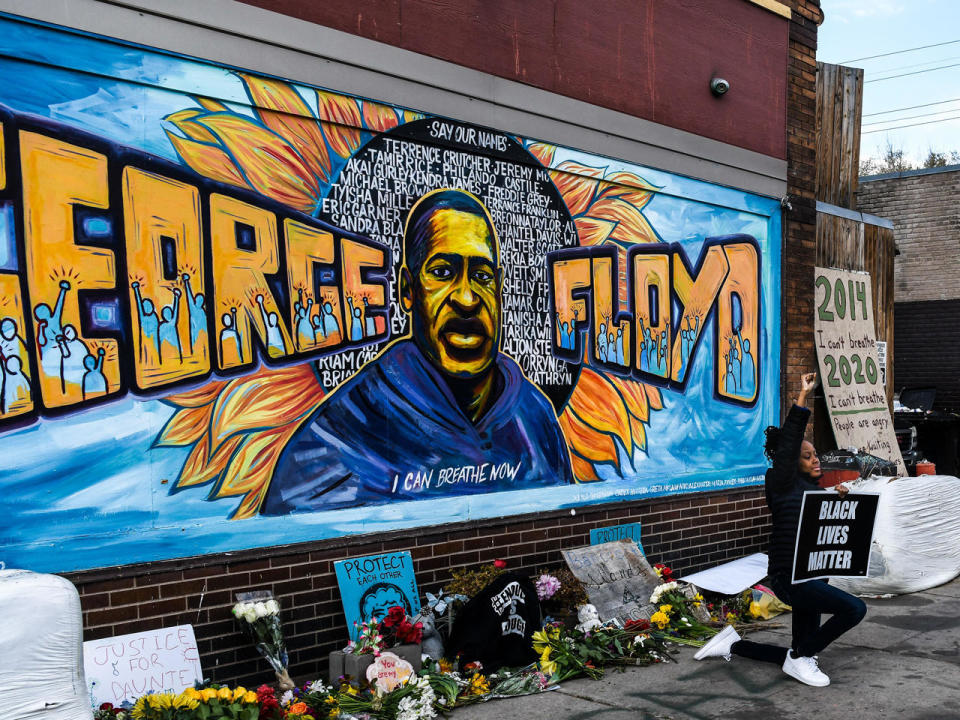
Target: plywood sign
[[618, 578], [853, 386]]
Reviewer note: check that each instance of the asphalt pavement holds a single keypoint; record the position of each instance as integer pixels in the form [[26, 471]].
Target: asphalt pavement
[[902, 662]]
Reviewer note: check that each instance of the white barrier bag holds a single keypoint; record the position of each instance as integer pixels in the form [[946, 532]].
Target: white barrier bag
[[41, 651]]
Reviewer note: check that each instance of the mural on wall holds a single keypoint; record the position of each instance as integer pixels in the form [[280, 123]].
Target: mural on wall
[[238, 311]]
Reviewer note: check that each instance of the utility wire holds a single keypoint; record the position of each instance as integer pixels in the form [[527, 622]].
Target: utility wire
[[915, 72], [899, 52], [898, 127], [909, 117], [910, 107]]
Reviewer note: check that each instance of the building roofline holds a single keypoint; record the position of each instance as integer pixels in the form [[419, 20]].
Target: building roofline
[[909, 173]]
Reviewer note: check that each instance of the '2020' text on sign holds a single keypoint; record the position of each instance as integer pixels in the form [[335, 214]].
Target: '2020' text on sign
[[849, 367]]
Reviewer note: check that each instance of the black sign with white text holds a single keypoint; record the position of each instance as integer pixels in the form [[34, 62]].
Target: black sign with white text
[[834, 535]]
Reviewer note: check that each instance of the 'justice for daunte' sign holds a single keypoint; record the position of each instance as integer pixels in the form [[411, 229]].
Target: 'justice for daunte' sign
[[834, 535]]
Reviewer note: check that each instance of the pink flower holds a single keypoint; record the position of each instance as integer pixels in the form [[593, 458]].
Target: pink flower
[[547, 587]]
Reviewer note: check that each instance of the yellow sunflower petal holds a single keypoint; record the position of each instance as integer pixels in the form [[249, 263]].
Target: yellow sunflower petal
[[631, 225], [185, 427], [599, 405], [585, 440], [377, 117], [283, 110], [207, 160], [543, 152], [630, 187], [211, 104], [634, 396], [198, 396], [653, 397], [593, 231], [577, 184], [583, 469], [638, 432], [343, 121], [200, 468], [271, 165], [184, 122]]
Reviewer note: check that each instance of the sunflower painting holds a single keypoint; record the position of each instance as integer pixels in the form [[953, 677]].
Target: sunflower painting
[[292, 150]]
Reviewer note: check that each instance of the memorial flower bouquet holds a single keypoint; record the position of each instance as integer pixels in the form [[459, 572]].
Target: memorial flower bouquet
[[192, 704], [398, 629], [259, 615], [680, 612]]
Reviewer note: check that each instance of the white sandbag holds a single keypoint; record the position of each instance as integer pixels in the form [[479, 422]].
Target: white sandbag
[[41, 649], [916, 539]]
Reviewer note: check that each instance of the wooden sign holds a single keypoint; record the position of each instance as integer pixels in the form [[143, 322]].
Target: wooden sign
[[127, 666], [834, 535], [618, 579], [849, 367]]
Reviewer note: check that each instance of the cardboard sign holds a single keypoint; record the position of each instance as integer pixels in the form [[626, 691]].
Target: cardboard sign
[[128, 666], [849, 367], [834, 535], [628, 531], [389, 671], [371, 585], [618, 579]]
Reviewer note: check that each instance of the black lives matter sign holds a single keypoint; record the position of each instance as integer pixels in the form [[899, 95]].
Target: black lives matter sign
[[834, 536]]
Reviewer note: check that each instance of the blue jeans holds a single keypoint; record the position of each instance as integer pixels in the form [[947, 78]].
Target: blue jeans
[[809, 599]]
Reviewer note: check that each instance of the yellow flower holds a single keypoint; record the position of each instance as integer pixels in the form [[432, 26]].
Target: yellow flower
[[548, 667], [224, 693], [660, 619], [187, 699], [479, 685], [239, 692], [447, 666], [731, 617], [140, 709], [755, 609], [250, 697], [698, 597], [208, 694], [540, 640], [666, 609]]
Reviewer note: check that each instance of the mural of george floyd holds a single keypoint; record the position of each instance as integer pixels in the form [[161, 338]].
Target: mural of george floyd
[[242, 315]]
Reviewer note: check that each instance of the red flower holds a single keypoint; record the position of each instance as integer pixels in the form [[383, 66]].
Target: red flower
[[659, 566], [636, 625], [395, 616], [666, 570], [106, 706], [410, 634], [501, 564]]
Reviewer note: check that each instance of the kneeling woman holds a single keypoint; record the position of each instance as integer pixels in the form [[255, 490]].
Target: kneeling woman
[[795, 469]]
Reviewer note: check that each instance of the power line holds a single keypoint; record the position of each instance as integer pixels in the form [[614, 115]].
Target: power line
[[899, 52], [898, 127], [909, 117], [911, 107], [898, 68], [915, 72]]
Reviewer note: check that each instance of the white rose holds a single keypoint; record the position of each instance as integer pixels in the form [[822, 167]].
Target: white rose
[[273, 607], [250, 615], [238, 610], [260, 609]]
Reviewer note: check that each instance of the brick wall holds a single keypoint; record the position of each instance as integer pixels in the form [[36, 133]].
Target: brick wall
[[927, 337], [688, 534], [926, 224], [800, 221]]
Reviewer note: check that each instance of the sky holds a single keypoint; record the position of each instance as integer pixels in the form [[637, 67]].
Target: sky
[[856, 29]]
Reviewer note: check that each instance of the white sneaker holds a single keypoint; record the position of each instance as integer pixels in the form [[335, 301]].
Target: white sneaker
[[805, 669], [719, 644]]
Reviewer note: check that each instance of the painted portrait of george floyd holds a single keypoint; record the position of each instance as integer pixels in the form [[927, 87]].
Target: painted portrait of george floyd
[[441, 411]]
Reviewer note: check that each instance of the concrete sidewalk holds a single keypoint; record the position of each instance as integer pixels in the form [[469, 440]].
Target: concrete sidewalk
[[902, 661]]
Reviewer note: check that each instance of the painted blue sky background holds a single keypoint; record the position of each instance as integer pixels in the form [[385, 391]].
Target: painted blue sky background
[[86, 491]]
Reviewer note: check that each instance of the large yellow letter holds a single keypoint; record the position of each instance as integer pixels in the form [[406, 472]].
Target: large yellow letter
[[738, 323], [315, 316], [165, 280], [57, 177], [244, 241], [651, 302]]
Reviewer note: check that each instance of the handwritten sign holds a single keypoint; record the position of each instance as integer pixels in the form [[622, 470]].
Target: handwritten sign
[[628, 531], [834, 535], [618, 579], [371, 585], [849, 367], [389, 671], [128, 666]]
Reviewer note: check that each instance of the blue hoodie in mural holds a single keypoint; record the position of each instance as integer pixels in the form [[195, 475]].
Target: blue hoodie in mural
[[395, 432]]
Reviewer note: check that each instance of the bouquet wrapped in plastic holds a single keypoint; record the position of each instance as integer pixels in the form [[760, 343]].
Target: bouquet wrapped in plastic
[[259, 615]]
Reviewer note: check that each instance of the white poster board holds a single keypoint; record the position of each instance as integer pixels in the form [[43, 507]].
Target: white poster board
[[128, 666], [845, 337]]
